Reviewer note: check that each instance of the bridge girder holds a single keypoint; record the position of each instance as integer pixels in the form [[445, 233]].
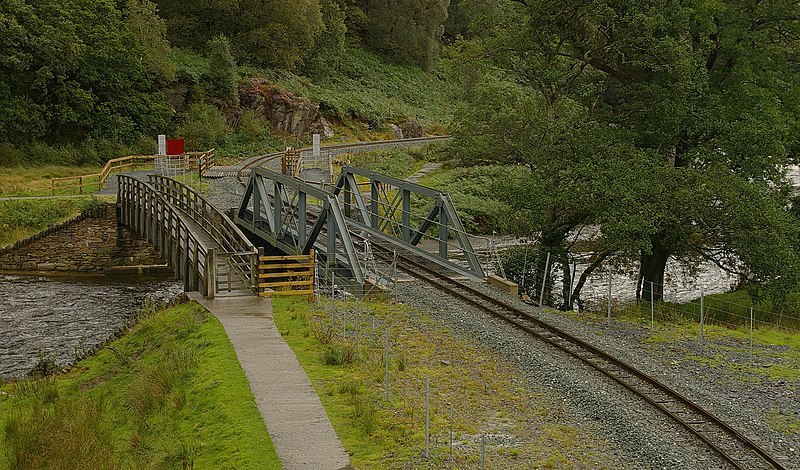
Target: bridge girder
[[276, 208]]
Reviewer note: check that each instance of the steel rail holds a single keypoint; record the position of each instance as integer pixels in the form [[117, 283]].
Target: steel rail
[[257, 161], [659, 396]]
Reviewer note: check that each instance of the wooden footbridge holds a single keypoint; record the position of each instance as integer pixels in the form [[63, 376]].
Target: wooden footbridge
[[212, 254]]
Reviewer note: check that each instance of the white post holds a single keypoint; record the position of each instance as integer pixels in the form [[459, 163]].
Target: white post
[[544, 280], [315, 150], [162, 144]]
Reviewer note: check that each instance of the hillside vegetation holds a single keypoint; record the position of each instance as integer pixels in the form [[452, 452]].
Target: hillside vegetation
[[84, 81]]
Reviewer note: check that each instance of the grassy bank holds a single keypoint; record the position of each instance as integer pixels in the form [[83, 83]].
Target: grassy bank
[[23, 218], [169, 394], [484, 394]]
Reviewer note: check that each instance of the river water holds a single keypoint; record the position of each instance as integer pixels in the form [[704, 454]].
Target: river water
[[61, 316]]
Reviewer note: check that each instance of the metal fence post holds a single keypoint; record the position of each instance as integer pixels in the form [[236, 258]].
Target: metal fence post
[[483, 447], [387, 364], [451, 435], [751, 335], [609, 297], [702, 318], [652, 307], [544, 280], [356, 341], [427, 417]]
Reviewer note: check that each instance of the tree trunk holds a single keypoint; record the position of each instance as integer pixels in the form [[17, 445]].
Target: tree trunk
[[652, 272], [566, 282], [575, 297]]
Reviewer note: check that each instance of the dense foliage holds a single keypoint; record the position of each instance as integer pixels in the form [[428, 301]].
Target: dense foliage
[[665, 123], [71, 70]]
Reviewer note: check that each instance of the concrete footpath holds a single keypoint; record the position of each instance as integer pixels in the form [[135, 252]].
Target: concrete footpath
[[297, 423]]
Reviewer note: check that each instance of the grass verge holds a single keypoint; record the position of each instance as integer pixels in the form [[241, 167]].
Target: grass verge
[[484, 395], [169, 394]]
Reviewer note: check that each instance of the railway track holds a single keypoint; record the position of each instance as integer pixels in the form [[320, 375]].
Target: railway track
[[241, 171], [731, 446]]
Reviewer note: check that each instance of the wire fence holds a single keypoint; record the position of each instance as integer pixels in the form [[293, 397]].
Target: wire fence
[[411, 380]]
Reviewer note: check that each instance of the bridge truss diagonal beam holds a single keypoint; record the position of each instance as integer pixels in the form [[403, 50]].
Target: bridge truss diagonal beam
[[387, 213], [291, 214]]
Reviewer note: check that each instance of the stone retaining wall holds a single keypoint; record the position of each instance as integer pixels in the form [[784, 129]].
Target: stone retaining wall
[[90, 242]]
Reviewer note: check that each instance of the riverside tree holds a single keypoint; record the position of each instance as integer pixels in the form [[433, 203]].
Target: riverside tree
[[705, 89]]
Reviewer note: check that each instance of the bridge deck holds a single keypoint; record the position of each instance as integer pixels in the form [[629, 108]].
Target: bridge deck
[[296, 421]]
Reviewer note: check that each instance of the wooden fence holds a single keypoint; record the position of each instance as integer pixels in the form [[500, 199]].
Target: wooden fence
[[286, 275], [97, 181]]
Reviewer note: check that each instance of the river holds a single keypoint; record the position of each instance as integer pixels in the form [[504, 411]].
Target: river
[[61, 316]]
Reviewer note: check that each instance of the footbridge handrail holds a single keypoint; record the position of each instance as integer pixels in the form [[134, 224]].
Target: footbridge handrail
[[145, 210], [215, 223]]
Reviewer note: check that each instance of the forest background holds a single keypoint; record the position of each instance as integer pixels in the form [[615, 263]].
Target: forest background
[[668, 125]]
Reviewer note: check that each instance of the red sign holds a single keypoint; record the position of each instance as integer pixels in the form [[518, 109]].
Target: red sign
[[175, 147]]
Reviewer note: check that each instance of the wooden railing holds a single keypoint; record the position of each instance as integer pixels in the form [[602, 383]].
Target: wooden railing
[[201, 161], [237, 260], [146, 211], [286, 275]]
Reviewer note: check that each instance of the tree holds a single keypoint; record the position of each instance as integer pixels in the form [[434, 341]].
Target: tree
[[703, 88], [329, 44], [269, 33], [565, 172], [407, 29], [71, 70], [150, 30], [223, 78]]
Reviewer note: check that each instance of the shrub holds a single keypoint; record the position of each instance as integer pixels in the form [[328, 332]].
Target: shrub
[[203, 126]]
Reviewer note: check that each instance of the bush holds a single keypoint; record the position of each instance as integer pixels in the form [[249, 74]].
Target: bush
[[203, 126]]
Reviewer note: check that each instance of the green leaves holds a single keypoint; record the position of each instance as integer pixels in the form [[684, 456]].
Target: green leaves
[[70, 70]]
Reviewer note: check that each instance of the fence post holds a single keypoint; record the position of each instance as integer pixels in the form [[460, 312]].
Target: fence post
[[451, 435], [80, 182], [483, 447], [333, 307], [544, 280], [652, 307], [427, 416], [702, 318], [356, 341], [386, 334], [609, 297], [751, 335], [210, 267]]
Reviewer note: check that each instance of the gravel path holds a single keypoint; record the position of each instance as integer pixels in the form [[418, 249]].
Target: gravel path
[[636, 432]]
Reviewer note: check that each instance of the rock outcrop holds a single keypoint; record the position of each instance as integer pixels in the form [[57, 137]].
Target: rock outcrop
[[287, 112], [411, 129]]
